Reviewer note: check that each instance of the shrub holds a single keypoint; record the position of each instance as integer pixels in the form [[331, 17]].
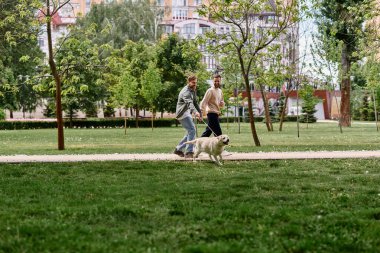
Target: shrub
[[81, 123], [2, 114]]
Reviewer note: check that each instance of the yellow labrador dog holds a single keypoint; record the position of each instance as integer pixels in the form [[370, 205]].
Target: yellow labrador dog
[[213, 146]]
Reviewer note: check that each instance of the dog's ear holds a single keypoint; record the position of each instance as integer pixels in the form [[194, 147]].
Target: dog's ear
[[220, 137]]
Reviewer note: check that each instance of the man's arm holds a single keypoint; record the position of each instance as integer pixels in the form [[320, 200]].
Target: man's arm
[[221, 103], [205, 100]]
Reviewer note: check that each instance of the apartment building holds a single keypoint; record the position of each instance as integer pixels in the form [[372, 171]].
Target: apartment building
[[65, 17], [182, 18]]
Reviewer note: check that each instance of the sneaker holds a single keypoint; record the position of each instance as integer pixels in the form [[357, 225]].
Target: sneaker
[[226, 153], [189, 155], [179, 153]]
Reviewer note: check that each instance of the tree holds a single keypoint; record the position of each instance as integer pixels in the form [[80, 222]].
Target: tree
[[232, 79], [134, 59], [151, 86], [118, 22], [79, 66], [251, 33], [270, 76], [342, 23], [124, 93], [326, 65], [19, 53], [8, 89], [176, 58], [308, 106], [50, 9]]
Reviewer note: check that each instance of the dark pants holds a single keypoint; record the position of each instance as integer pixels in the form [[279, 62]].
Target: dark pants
[[213, 123]]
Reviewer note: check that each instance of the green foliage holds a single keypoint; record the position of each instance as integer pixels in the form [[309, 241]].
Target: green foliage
[[19, 53], [232, 78], [308, 105], [281, 105], [79, 66], [151, 85], [2, 114], [127, 68], [363, 105], [176, 59], [370, 72], [117, 22], [78, 123], [124, 93], [49, 110], [250, 40], [8, 88]]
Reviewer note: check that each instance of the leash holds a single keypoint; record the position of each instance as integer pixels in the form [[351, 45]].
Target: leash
[[208, 127]]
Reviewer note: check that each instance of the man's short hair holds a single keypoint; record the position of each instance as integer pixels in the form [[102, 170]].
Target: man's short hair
[[191, 78], [217, 76]]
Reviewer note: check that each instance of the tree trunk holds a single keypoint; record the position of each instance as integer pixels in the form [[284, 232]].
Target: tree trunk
[[153, 115], [268, 121], [125, 124], [10, 114], [137, 116], [345, 89], [282, 118], [251, 116], [57, 79], [71, 118]]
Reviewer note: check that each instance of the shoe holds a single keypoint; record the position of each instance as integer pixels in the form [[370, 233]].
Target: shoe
[[179, 153], [226, 153], [189, 155]]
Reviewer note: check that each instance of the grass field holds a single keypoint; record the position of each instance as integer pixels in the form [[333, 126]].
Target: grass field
[[319, 136], [260, 206], [256, 206]]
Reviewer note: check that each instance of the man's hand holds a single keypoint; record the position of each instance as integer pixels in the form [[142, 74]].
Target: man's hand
[[199, 116]]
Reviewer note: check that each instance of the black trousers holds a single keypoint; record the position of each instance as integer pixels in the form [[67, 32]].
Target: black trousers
[[213, 123]]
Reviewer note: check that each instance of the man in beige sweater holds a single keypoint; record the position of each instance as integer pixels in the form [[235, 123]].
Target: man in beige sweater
[[211, 104]]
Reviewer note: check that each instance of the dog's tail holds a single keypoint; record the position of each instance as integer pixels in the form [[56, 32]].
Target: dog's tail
[[191, 142]]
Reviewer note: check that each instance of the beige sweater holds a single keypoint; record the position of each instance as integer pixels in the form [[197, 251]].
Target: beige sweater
[[211, 100]]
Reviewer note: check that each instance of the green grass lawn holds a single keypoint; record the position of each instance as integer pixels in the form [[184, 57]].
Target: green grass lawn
[[259, 206], [319, 136]]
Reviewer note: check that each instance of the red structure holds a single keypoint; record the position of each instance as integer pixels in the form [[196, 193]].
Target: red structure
[[325, 95]]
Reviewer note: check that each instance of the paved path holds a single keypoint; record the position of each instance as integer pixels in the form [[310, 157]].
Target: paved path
[[172, 157]]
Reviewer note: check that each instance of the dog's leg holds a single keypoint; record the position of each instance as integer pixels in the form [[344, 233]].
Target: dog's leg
[[221, 158], [211, 158], [217, 160], [196, 153]]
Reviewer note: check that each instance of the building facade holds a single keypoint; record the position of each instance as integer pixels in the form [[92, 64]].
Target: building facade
[[65, 17]]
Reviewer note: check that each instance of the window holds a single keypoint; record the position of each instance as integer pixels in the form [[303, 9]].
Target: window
[[179, 13], [179, 2], [197, 2], [209, 61], [169, 29], [41, 42], [204, 29], [189, 29]]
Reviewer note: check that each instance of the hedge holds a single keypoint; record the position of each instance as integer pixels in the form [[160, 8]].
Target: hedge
[[80, 123], [257, 119], [110, 123]]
